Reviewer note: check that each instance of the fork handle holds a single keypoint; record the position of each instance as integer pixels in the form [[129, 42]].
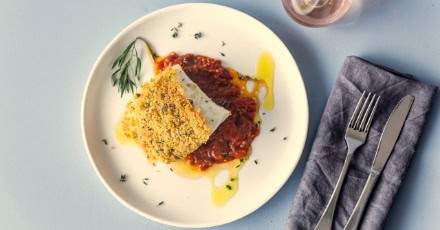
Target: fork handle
[[326, 221], [356, 216]]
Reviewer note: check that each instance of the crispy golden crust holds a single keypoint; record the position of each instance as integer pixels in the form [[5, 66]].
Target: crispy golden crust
[[163, 120]]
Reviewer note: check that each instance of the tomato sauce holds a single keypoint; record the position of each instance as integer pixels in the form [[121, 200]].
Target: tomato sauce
[[233, 138]]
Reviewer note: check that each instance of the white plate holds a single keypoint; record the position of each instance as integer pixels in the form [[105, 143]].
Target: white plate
[[186, 201]]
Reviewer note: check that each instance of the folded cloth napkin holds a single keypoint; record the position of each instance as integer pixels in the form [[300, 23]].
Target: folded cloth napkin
[[329, 148]]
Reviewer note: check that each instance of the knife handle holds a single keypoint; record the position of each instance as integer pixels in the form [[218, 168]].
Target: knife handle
[[356, 215]]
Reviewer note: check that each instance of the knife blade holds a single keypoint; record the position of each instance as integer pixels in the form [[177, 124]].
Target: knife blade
[[388, 139], [391, 132]]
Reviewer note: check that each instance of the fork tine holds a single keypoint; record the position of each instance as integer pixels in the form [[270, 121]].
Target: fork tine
[[367, 113], [356, 110], [361, 113], [367, 127]]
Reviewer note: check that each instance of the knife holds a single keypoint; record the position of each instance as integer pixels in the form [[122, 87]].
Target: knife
[[387, 141]]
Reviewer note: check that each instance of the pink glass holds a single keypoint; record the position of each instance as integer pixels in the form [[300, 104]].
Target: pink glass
[[316, 13]]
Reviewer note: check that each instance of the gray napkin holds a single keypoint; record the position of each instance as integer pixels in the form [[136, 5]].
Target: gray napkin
[[329, 148]]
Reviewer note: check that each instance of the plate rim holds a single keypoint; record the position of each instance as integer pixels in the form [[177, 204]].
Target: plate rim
[[85, 96]]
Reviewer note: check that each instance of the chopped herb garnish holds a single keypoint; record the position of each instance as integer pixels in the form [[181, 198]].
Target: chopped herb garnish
[[264, 113], [188, 133], [160, 203], [222, 54], [285, 138], [185, 61], [171, 151], [256, 162], [228, 187], [127, 77], [104, 141], [273, 129], [223, 43], [145, 181], [232, 179], [198, 35], [154, 163], [224, 103], [190, 102], [243, 77], [164, 108], [258, 124], [171, 169], [238, 166], [123, 178], [241, 160], [223, 153], [175, 30], [206, 101]]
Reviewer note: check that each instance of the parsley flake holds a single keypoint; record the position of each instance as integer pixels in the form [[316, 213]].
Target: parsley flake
[[258, 124], [160, 203], [198, 35], [175, 30]]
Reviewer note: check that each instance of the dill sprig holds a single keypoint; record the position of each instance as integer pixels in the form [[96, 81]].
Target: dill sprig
[[128, 67]]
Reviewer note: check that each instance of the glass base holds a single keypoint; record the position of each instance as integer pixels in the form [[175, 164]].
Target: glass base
[[316, 13]]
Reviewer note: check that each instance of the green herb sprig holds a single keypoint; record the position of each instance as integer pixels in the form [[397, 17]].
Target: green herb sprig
[[128, 67]]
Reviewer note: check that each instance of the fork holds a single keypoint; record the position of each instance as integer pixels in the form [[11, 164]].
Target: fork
[[355, 136]]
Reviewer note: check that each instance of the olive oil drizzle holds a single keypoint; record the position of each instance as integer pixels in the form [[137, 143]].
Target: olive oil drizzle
[[263, 77], [219, 194], [264, 71]]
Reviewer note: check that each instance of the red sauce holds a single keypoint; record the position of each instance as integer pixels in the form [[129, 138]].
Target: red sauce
[[233, 138]]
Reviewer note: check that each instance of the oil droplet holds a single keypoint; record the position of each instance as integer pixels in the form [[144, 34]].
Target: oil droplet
[[219, 194], [264, 71], [119, 135]]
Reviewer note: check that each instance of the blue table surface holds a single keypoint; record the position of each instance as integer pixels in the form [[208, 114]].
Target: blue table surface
[[48, 48]]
